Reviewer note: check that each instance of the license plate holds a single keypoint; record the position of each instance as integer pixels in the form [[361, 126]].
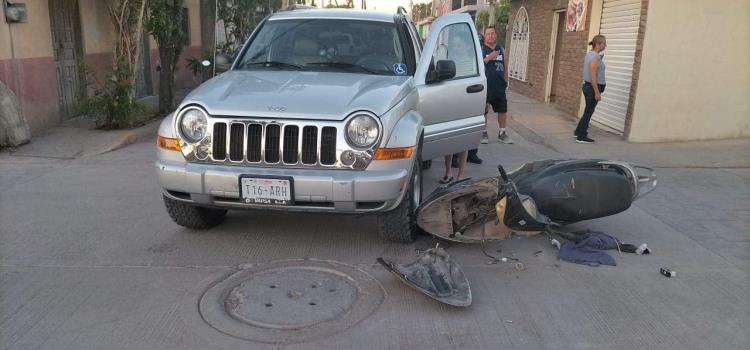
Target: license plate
[[266, 190]]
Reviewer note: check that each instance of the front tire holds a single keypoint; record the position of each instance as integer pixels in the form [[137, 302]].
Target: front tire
[[400, 224], [191, 216]]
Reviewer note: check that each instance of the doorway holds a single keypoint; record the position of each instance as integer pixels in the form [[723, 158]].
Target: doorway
[[553, 69], [67, 53]]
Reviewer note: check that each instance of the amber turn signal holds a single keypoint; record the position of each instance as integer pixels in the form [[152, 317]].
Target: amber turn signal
[[169, 144], [393, 153]]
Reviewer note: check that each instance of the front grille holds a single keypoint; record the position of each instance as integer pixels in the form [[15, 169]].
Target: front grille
[[273, 138], [291, 136], [220, 141], [237, 131], [309, 145], [328, 146], [254, 140], [261, 143]]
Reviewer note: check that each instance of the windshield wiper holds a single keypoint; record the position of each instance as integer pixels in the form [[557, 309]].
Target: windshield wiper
[[344, 65], [277, 64]]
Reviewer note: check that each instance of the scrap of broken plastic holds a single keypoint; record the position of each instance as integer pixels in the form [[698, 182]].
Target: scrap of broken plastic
[[435, 275]]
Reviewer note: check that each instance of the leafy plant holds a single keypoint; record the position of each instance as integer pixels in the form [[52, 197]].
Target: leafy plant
[[240, 17], [481, 20], [111, 103], [127, 17], [421, 11], [164, 24], [195, 64]]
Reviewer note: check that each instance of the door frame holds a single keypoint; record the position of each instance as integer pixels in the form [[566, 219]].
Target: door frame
[[551, 54]]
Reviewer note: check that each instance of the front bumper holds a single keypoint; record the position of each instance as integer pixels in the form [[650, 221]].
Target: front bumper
[[346, 191]]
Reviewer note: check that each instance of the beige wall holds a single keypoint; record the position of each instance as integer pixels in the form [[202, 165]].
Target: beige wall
[[36, 30], [96, 27], [695, 74]]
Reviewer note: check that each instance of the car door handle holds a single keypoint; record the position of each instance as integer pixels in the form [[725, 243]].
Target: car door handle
[[475, 88]]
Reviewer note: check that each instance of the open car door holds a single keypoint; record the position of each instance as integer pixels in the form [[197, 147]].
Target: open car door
[[452, 87]]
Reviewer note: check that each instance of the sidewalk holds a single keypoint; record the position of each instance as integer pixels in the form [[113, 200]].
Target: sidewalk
[[541, 124], [78, 137]]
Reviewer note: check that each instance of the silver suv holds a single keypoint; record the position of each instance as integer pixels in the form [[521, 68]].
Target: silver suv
[[325, 111]]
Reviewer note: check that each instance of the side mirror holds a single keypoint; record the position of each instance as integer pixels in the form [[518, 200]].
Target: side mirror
[[444, 70], [223, 62]]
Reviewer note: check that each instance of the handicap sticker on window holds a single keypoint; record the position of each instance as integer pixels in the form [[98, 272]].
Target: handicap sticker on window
[[399, 69]]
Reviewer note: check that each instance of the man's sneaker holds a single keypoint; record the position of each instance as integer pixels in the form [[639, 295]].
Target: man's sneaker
[[485, 139], [584, 139], [504, 138]]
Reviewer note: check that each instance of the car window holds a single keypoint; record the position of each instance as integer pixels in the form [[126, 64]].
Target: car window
[[456, 43], [366, 47]]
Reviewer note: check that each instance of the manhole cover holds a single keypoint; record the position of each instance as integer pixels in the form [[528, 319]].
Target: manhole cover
[[291, 301]]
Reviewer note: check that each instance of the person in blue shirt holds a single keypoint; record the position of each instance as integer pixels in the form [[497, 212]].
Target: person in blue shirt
[[496, 70]]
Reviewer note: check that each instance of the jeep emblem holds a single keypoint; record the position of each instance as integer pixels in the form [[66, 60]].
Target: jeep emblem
[[276, 109]]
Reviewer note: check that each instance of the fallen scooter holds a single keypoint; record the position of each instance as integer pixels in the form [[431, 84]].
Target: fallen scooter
[[538, 197]]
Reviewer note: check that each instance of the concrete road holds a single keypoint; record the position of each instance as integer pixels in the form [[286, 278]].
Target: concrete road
[[89, 259]]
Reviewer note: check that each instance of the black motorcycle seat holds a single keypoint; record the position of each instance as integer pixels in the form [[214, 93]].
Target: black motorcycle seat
[[584, 194]]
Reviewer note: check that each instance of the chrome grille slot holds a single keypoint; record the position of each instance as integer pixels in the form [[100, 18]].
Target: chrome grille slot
[[236, 134], [273, 139], [254, 139], [328, 146], [272, 143], [309, 145], [291, 144], [219, 141]]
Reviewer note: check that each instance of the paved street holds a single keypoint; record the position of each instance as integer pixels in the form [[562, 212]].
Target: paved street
[[89, 258]]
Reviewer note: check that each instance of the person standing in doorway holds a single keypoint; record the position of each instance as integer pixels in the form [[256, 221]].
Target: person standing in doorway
[[496, 69], [593, 85]]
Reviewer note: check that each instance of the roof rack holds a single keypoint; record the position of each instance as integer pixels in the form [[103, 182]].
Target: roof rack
[[293, 7]]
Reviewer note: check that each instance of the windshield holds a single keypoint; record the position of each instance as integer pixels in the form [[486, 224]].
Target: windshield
[[366, 47]]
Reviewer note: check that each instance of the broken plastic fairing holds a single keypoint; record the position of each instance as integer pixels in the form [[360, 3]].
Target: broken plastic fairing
[[436, 275]]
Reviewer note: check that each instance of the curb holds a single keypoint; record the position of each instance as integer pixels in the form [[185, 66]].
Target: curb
[[127, 138]]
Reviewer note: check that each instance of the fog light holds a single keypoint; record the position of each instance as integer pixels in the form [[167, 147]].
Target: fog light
[[347, 158], [202, 151]]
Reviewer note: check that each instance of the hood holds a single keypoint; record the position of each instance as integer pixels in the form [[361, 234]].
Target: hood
[[298, 94]]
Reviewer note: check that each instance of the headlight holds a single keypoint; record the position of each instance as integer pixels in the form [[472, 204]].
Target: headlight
[[362, 131], [193, 124]]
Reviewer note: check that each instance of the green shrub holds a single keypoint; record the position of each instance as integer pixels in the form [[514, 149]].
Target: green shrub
[[111, 103], [195, 63]]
